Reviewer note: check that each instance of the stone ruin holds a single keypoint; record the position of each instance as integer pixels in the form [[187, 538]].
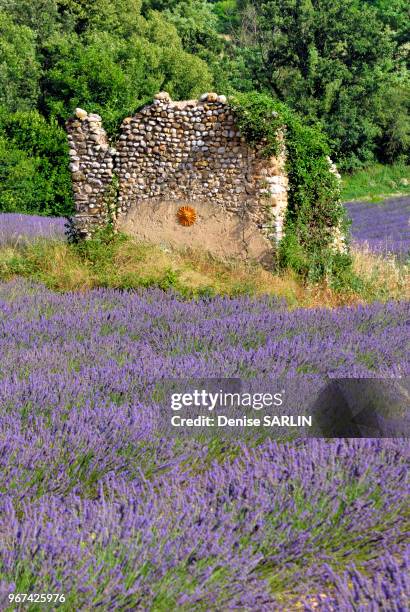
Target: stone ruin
[[180, 174]]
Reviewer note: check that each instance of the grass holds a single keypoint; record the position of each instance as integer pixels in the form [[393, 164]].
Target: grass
[[124, 263], [381, 275], [376, 183]]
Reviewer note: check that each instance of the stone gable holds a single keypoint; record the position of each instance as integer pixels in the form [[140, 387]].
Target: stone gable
[[173, 157]]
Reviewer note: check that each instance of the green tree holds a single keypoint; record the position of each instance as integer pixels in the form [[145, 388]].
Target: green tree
[[325, 59], [121, 17], [34, 173], [184, 74], [113, 75], [396, 14], [19, 68], [197, 26], [59, 54], [393, 142], [228, 15], [108, 15], [41, 16], [158, 5]]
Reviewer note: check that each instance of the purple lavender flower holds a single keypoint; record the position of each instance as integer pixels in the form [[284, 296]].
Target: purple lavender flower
[[96, 502], [384, 227], [18, 229]]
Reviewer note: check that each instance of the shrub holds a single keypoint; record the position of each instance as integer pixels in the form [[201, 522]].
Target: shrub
[[34, 165], [314, 208], [20, 69]]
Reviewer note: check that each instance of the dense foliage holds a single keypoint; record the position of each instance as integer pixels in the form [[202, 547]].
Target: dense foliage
[[314, 209], [322, 58], [34, 164], [97, 503], [343, 63]]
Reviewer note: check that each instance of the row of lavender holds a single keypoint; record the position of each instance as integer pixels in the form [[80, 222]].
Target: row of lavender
[[99, 505], [383, 228], [280, 525], [17, 229]]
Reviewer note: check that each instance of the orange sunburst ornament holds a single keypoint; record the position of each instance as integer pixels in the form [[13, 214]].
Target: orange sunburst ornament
[[186, 216]]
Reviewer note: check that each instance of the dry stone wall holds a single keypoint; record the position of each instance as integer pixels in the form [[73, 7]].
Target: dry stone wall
[[185, 175], [92, 170]]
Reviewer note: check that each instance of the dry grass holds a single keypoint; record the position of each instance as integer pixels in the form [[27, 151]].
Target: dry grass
[[381, 275], [199, 271], [129, 264], [51, 262]]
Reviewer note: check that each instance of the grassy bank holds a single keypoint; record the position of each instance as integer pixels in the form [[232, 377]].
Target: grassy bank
[[376, 183], [125, 264]]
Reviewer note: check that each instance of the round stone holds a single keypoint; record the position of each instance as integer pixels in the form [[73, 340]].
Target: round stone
[[163, 96], [80, 113]]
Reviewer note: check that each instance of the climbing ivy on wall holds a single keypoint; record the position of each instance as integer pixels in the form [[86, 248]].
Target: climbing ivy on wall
[[314, 206]]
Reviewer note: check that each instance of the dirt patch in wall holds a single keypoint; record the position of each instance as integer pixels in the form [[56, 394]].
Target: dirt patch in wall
[[222, 233]]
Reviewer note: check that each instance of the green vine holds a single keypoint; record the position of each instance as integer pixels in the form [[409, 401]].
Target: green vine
[[314, 206], [111, 201]]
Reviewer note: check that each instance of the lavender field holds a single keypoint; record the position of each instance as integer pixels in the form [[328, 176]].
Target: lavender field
[[18, 229], [383, 227], [97, 504]]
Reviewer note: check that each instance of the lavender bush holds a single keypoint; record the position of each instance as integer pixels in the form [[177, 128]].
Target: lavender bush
[[16, 229], [387, 588], [384, 227], [96, 503]]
